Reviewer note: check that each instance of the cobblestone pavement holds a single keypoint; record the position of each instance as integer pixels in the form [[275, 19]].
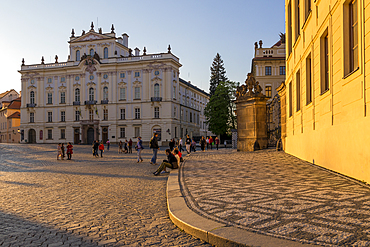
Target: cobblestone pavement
[[109, 201], [276, 194]]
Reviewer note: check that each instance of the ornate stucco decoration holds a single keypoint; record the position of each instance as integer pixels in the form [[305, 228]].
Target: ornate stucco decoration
[[156, 79], [91, 84], [105, 83], [174, 82], [62, 88], [250, 89], [91, 37], [76, 47], [49, 88], [76, 84], [122, 83], [90, 65], [136, 82], [32, 87]]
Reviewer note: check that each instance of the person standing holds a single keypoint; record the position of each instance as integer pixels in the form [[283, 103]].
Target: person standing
[[172, 144], [225, 143], [180, 144], [139, 148], [202, 143], [101, 148], [211, 141], [108, 144], [59, 151], [207, 143], [130, 146], [69, 151], [120, 147], [217, 142], [188, 143], [96, 147], [126, 148], [153, 144], [63, 151]]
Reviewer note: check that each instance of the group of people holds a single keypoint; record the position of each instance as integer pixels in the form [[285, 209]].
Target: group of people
[[61, 151], [99, 146], [125, 147]]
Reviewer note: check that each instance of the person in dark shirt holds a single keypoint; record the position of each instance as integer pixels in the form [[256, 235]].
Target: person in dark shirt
[[171, 162], [153, 144]]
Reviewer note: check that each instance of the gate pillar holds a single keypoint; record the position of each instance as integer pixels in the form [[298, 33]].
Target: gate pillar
[[251, 116]]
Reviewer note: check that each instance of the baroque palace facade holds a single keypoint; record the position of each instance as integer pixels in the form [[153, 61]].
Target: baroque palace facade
[[105, 92], [326, 96]]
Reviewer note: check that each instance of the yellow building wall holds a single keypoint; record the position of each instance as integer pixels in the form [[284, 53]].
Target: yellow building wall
[[332, 131]]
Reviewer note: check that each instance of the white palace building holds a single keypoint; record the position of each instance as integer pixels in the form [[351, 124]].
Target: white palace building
[[105, 92]]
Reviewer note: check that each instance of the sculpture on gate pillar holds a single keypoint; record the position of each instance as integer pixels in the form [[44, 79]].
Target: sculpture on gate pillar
[[251, 116]]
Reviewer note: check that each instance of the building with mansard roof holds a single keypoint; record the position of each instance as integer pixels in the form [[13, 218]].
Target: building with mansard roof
[[105, 91]]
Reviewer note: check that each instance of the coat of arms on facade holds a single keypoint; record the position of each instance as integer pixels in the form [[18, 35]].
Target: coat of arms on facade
[[90, 65]]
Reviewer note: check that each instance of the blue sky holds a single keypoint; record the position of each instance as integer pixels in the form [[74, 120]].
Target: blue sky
[[195, 29]]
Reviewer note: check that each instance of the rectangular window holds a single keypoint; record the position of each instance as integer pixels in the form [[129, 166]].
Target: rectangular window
[[122, 75], [105, 114], [175, 132], [50, 80], [137, 131], [91, 115], [282, 70], [297, 20], [137, 113], [308, 80], [50, 98], [137, 74], [324, 56], [174, 112], [298, 91], [122, 132], [353, 36], [122, 93], [290, 100], [62, 97], [289, 33], [63, 79], [307, 8], [191, 117], [174, 92], [50, 134], [268, 91], [268, 70], [62, 116], [50, 117], [137, 92], [156, 112], [62, 134], [32, 117], [77, 115], [123, 114]]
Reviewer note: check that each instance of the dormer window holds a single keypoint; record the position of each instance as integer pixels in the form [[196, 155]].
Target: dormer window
[[78, 58], [92, 52], [106, 52]]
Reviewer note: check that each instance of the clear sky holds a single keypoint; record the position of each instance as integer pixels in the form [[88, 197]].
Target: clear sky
[[195, 29]]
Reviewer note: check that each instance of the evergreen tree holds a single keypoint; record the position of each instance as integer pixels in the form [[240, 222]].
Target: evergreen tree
[[219, 111], [218, 74]]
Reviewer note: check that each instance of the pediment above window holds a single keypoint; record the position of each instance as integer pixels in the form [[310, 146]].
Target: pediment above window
[[136, 82], [31, 87], [91, 83], [122, 83]]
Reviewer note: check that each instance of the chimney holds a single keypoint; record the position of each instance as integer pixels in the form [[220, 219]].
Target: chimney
[[137, 51], [125, 39]]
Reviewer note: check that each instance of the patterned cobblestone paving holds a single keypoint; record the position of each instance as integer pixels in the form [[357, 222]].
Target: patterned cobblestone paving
[[110, 201], [276, 194]]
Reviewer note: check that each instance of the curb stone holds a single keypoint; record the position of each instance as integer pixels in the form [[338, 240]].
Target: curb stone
[[215, 233]]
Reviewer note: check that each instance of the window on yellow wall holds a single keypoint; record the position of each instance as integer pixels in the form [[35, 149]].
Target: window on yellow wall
[[268, 91], [290, 100], [308, 80], [353, 36], [298, 91], [324, 62]]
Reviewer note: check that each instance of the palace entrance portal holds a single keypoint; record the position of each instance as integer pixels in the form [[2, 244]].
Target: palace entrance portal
[[90, 135], [31, 136]]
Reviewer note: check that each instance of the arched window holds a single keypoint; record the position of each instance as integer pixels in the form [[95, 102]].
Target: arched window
[[77, 94], [32, 97], [91, 94], [156, 90], [78, 55], [105, 93], [92, 52], [106, 52]]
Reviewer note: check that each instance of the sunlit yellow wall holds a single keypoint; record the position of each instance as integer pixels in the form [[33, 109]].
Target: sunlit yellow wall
[[333, 130]]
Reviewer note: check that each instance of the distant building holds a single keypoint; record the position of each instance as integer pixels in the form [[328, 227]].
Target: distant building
[[10, 121], [268, 66], [8, 96], [104, 91], [326, 96]]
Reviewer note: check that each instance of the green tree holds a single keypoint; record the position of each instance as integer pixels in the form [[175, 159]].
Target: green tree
[[218, 74], [219, 111]]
